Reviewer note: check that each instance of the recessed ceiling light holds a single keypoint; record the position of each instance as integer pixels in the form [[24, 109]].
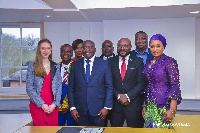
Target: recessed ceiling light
[[195, 12], [47, 16]]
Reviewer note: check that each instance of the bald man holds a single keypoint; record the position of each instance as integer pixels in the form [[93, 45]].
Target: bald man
[[107, 50], [128, 85], [90, 88]]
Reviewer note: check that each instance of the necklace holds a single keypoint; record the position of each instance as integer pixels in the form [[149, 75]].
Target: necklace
[[46, 67], [153, 61]]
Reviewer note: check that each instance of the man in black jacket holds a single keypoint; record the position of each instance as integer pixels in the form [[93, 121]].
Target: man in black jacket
[[128, 85]]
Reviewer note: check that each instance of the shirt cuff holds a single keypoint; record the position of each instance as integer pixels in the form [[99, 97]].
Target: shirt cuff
[[72, 108], [107, 108], [118, 98], [127, 98]]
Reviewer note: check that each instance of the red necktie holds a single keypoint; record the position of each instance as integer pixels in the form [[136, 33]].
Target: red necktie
[[123, 68]]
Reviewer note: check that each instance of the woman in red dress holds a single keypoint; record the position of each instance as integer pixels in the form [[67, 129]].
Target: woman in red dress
[[43, 85]]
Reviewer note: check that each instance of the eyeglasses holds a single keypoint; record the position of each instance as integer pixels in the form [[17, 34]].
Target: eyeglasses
[[125, 45], [87, 47]]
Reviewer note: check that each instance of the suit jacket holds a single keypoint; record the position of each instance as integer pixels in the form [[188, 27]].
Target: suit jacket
[[95, 95], [132, 85], [34, 84], [149, 55]]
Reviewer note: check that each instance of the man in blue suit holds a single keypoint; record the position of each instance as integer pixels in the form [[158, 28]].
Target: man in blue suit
[[142, 50], [90, 85]]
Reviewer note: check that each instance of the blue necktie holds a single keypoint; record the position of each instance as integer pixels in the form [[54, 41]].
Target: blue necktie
[[87, 71]]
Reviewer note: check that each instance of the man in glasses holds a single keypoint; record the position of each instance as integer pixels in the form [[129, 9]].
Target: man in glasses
[[128, 85], [90, 88]]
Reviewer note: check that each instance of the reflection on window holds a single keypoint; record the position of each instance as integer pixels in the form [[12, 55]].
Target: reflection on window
[[30, 36], [11, 37], [28, 55], [11, 56]]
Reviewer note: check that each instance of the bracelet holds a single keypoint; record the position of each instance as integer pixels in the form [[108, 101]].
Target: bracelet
[[143, 106], [172, 111]]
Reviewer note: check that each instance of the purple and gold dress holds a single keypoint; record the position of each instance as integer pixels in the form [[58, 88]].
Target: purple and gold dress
[[162, 86]]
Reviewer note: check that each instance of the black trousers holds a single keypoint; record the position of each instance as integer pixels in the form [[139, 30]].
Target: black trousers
[[133, 118]]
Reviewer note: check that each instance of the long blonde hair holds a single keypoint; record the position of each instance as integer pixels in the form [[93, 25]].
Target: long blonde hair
[[38, 63]]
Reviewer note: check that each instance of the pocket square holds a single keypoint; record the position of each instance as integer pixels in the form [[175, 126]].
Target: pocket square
[[132, 68]]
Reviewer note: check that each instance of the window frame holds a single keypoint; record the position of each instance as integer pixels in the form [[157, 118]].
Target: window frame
[[20, 25]]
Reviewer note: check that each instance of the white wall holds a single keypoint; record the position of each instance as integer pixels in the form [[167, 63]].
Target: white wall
[[58, 34], [197, 59], [179, 32]]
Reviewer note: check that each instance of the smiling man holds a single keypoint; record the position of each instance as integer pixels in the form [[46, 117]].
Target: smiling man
[[107, 50], [66, 53], [142, 50], [128, 85], [90, 88]]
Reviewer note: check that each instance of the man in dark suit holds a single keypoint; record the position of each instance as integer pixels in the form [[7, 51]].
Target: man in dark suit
[[128, 85], [107, 50], [142, 50], [90, 88]]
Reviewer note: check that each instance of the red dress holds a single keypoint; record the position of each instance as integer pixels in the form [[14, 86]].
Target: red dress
[[39, 117]]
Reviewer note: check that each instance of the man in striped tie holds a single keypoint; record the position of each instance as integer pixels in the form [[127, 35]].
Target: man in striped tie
[[66, 53]]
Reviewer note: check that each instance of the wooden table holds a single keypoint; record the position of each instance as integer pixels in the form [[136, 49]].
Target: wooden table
[[186, 123], [52, 129], [179, 123]]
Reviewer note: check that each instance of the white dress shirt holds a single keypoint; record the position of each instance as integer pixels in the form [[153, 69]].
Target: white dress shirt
[[120, 64]]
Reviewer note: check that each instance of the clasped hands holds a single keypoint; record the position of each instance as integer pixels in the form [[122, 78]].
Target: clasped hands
[[48, 109], [102, 114], [123, 99]]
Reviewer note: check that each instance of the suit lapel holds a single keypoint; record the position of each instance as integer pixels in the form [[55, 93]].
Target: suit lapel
[[116, 68], [82, 69], [94, 68], [131, 61]]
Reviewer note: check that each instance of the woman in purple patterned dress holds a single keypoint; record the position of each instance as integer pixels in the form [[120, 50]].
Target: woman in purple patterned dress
[[162, 93]]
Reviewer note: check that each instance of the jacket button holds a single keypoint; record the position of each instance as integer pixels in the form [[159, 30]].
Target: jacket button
[[122, 83]]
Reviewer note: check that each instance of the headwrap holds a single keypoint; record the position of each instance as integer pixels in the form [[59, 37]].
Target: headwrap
[[160, 38]]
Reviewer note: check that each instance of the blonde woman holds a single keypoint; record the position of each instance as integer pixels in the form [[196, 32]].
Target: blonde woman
[[43, 85]]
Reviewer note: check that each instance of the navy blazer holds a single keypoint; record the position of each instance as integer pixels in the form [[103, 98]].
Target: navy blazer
[[149, 55], [95, 95], [132, 85]]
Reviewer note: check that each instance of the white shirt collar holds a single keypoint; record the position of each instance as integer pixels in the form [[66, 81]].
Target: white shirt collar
[[91, 59], [126, 58]]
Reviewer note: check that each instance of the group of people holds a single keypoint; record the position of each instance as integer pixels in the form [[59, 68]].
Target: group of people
[[140, 86]]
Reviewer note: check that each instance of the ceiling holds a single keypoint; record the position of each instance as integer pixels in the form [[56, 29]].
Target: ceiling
[[66, 11]]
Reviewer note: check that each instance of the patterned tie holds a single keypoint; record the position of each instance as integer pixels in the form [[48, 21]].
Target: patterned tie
[[123, 69], [65, 75], [87, 71]]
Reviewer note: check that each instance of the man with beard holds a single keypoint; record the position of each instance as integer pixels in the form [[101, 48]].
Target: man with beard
[[142, 50], [127, 85], [107, 50], [66, 52], [90, 88]]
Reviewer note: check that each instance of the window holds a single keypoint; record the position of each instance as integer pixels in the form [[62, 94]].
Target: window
[[18, 44]]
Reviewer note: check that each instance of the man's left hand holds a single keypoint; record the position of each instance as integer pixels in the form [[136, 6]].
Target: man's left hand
[[103, 113], [123, 99]]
